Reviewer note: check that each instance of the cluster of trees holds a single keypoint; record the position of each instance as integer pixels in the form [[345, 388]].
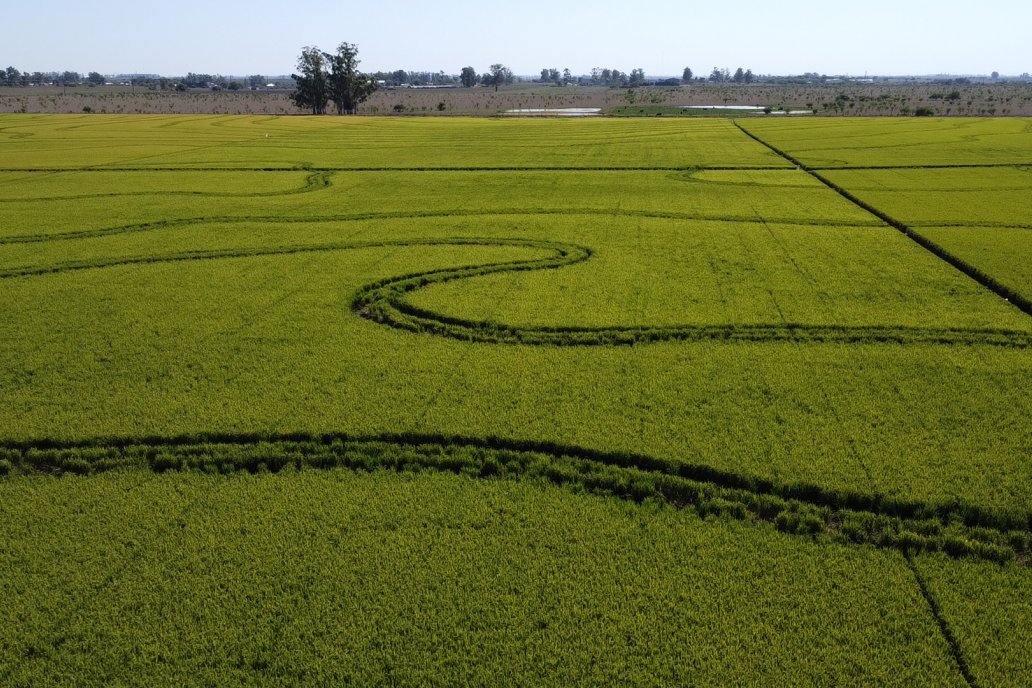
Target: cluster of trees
[[330, 76], [739, 77], [498, 75], [614, 77], [720, 76], [552, 76]]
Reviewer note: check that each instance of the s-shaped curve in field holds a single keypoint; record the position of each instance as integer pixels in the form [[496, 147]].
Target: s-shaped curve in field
[[384, 302]]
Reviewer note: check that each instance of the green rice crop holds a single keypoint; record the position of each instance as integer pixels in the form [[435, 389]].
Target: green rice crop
[[901, 142], [989, 608], [994, 197], [309, 400], [678, 195], [1005, 253], [981, 216], [431, 580], [379, 143]]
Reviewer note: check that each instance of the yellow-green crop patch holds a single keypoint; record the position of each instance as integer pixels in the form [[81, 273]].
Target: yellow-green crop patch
[[901, 142], [308, 411], [376, 143], [398, 195], [1003, 252], [430, 580], [34, 187], [983, 217], [997, 197]]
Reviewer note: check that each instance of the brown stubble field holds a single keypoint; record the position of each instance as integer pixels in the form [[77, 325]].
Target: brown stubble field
[[1011, 99]]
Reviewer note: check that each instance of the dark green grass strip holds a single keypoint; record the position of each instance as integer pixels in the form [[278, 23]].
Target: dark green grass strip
[[944, 626], [986, 280], [384, 302], [842, 516]]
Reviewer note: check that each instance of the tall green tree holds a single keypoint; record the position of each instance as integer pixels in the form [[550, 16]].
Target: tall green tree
[[500, 74], [686, 76], [311, 92], [468, 77], [347, 86]]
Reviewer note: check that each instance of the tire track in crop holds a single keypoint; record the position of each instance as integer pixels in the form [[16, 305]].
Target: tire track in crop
[[384, 302], [986, 280], [834, 515], [944, 627], [313, 182], [415, 215]]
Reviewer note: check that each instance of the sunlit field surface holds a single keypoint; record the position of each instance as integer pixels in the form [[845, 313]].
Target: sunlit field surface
[[326, 400]]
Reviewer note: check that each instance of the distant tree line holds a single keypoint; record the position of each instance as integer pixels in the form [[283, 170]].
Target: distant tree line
[[497, 75], [403, 77], [551, 75], [740, 76], [614, 77], [15, 77]]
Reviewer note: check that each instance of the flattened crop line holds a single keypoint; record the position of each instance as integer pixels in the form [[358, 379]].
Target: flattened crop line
[[313, 182], [183, 256], [944, 626], [384, 302], [793, 508], [428, 214], [1021, 302]]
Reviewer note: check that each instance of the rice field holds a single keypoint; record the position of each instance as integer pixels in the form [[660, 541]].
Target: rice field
[[368, 400]]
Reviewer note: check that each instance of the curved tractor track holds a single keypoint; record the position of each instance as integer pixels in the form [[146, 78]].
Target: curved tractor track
[[841, 516], [385, 301], [957, 529]]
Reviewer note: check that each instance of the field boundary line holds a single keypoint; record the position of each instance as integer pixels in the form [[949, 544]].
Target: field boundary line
[[944, 627], [984, 279], [511, 168]]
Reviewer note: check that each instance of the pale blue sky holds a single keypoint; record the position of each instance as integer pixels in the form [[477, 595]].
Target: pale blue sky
[[664, 36]]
